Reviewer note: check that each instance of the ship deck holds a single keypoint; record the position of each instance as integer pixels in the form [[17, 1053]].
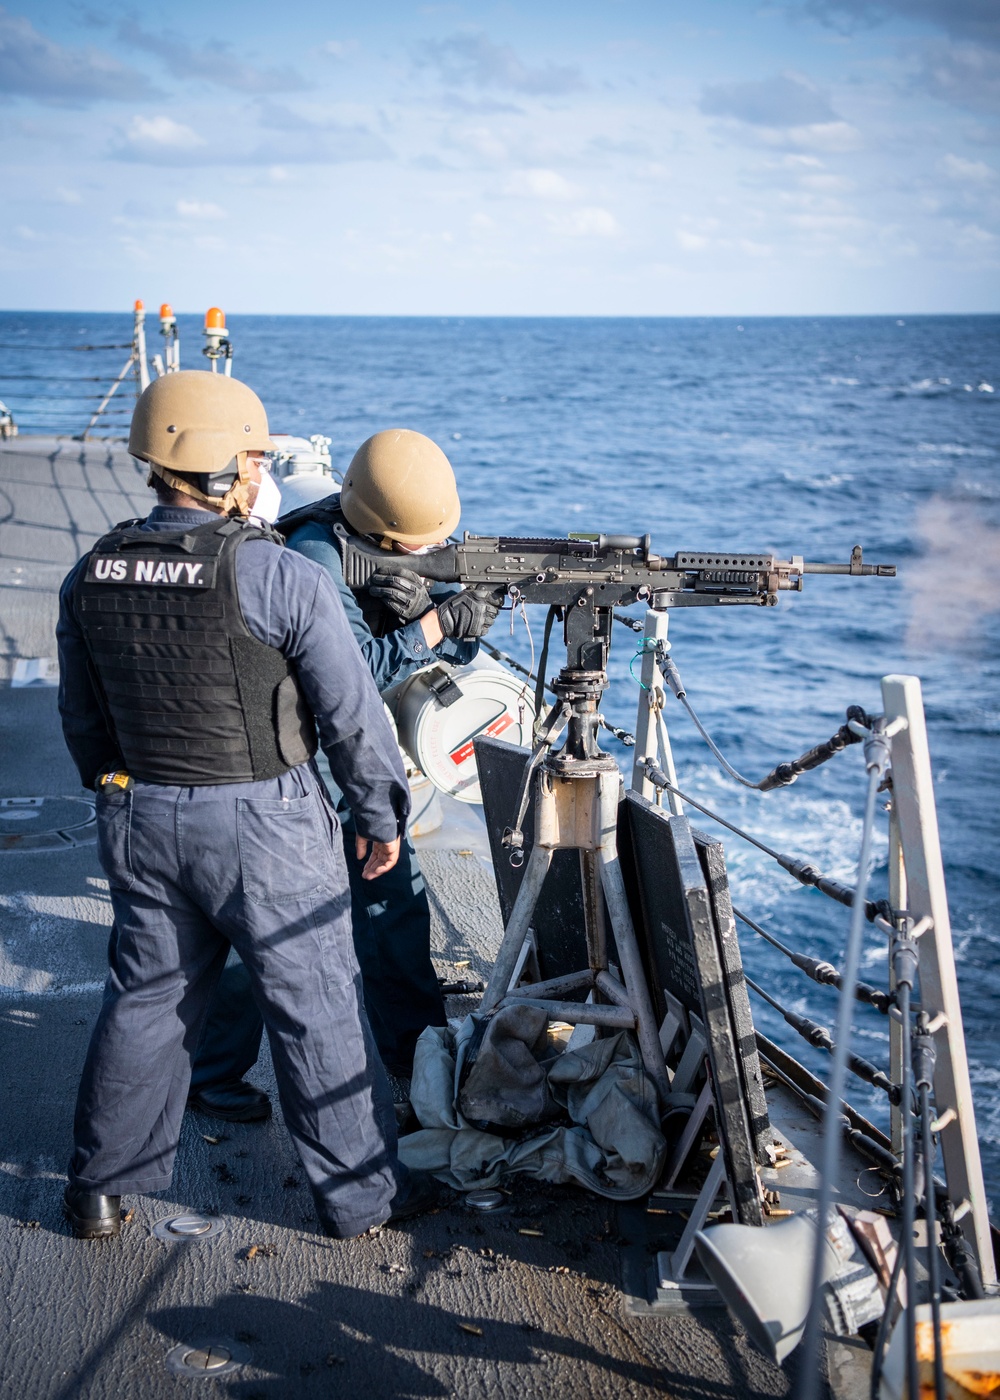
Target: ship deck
[[454, 1304]]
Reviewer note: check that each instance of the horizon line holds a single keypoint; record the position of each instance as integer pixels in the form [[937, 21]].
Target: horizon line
[[152, 315]]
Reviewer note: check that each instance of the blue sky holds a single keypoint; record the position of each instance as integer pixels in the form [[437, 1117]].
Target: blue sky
[[627, 157]]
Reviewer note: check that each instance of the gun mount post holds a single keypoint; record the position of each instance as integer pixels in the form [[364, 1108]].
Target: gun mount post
[[576, 808], [651, 737], [577, 792]]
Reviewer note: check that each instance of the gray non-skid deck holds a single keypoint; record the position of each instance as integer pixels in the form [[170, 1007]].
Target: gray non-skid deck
[[455, 1304]]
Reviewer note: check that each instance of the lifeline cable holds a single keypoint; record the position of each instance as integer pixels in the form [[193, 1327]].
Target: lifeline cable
[[877, 756], [880, 1156], [820, 1037], [783, 774], [540, 690], [499, 655], [622, 735], [540, 686], [803, 870], [819, 970]]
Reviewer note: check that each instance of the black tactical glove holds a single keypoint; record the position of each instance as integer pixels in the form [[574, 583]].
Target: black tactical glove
[[404, 593], [470, 613]]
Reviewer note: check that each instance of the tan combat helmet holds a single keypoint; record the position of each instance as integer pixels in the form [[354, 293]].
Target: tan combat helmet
[[196, 424], [400, 488]]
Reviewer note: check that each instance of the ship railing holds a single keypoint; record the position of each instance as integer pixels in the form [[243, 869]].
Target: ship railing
[[928, 1062], [41, 401], [31, 408], [915, 902]]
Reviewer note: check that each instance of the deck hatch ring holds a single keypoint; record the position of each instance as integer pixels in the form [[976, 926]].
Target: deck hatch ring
[[188, 1227], [485, 1200], [46, 823], [207, 1357]]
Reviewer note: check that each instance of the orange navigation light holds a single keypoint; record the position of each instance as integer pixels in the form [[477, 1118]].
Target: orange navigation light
[[139, 306], [166, 312], [215, 319]]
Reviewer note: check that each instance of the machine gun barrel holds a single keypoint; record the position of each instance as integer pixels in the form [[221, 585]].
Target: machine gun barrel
[[856, 567]]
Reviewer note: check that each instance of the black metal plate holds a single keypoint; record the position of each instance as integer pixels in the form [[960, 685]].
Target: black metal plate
[[713, 864], [558, 921], [685, 951]]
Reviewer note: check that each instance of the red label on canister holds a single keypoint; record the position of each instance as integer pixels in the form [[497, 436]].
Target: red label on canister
[[492, 731]]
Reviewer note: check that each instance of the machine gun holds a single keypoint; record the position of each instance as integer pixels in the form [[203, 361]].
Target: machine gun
[[587, 576]]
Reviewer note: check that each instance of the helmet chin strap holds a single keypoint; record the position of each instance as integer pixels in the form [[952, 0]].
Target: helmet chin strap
[[236, 501]]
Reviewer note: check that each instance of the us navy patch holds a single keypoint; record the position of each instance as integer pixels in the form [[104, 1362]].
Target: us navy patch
[[173, 573]]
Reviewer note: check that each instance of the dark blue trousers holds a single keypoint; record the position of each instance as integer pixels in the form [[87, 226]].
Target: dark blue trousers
[[392, 930], [258, 867], [230, 1042]]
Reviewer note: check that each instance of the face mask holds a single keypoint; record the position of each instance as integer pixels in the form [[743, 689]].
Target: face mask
[[267, 506], [423, 549]]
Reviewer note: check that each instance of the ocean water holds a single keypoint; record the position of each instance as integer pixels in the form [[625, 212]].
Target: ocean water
[[798, 435]]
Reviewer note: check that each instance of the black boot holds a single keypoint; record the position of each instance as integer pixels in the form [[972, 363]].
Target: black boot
[[424, 1193], [236, 1102], [92, 1216]]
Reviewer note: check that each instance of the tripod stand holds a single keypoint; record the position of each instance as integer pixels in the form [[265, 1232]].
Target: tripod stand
[[576, 793]]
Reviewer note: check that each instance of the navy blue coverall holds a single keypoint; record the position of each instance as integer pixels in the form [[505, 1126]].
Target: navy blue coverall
[[257, 866], [390, 915]]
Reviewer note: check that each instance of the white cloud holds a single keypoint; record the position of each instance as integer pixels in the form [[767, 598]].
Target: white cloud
[[200, 210], [966, 75], [65, 196], [786, 100], [589, 222], [340, 48], [826, 184], [690, 242], [472, 58], [213, 62], [833, 138], [287, 138], [970, 19], [161, 133], [540, 184], [33, 65], [972, 171], [826, 224], [754, 250], [479, 142], [976, 239]]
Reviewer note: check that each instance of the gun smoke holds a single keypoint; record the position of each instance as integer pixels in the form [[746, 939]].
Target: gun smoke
[[950, 599]]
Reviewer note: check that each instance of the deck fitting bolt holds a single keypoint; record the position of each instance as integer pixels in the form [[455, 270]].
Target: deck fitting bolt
[[208, 1358], [188, 1225]]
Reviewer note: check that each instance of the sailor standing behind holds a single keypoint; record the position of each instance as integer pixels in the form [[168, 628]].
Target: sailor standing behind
[[399, 492], [198, 658]]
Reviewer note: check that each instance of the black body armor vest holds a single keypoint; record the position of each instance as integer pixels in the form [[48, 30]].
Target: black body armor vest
[[191, 696], [381, 620]]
